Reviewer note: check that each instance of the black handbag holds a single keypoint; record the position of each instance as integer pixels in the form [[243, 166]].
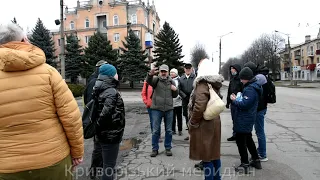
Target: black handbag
[[89, 119]]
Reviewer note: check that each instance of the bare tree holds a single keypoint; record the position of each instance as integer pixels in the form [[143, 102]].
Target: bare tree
[[198, 52], [225, 70]]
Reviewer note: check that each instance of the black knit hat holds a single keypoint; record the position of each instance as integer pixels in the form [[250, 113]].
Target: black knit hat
[[246, 74], [252, 66]]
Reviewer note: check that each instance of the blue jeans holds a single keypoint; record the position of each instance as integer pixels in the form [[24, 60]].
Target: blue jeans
[[157, 118], [212, 170], [259, 127], [150, 117]]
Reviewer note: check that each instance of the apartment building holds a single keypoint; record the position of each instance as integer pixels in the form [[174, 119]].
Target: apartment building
[[305, 59], [113, 18]]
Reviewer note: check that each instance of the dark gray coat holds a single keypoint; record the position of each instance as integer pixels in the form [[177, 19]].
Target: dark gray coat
[[162, 98]]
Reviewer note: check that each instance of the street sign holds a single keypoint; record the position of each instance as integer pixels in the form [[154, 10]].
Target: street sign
[[296, 68]]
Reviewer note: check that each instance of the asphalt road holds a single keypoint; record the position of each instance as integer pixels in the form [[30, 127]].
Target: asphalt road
[[292, 129]]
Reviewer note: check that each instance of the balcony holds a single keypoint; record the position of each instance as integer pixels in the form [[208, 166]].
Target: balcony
[[318, 52], [297, 57], [310, 53], [311, 67]]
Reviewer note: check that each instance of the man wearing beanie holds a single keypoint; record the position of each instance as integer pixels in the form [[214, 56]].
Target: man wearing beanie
[[177, 104], [162, 106], [111, 118], [246, 115], [264, 82]]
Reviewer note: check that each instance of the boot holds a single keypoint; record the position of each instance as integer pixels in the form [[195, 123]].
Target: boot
[[154, 153], [243, 168], [180, 133], [256, 164], [199, 165], [233, 138], [168, 152]]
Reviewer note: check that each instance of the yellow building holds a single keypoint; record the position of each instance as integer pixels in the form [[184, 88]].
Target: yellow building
[[113, 18], [305, 59]]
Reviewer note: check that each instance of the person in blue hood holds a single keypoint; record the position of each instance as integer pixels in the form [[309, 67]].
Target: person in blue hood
[[246, 114]]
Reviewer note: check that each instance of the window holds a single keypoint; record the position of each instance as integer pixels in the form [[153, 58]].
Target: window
[[71, 25], [318, 45], [318, 60], [87, 39], [116, 37], [104, 24], [87, 23], [302, 53], [154, 26], [59, 42], [134, 19], [137, 33], [115, 20]]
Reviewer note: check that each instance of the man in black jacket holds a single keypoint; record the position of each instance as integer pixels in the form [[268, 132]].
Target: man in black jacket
[[185, 89], [235, 86], [87, 93]]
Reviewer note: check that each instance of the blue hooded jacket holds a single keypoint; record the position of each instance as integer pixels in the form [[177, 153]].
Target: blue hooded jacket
[[246, 111]]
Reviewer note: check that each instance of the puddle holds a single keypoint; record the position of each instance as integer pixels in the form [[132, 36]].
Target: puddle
[[130, 144]]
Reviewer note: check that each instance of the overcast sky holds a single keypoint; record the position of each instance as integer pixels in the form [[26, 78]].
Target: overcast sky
[[201, 20]]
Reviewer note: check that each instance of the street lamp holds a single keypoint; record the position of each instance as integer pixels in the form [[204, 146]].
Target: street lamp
[[289, 55], [220, 51], [62, 41]]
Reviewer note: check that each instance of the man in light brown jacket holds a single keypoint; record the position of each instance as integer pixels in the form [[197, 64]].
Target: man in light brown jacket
[[40, 122]]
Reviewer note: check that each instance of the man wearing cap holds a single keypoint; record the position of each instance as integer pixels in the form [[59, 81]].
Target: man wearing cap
[[96, 160], [185, 89], [87, 94], [162, 106]]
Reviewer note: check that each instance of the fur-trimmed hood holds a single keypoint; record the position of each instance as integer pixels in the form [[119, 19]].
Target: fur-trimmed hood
[[214, 80]]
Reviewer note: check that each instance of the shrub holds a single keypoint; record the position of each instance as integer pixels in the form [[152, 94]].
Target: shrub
[[76, 89]]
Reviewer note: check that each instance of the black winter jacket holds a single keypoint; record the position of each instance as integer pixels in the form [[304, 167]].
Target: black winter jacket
[[235, 84], [111, 121], [87, 93], [186, 86]]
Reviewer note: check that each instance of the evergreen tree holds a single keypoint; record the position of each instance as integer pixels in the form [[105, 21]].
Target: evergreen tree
[[74, 59], [99, 48], [167, 48], [41, 38], [132, 61]]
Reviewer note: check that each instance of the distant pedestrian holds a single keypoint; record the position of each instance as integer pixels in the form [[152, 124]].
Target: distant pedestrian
[[41, 135], [111, 118], [246, 111], [177, 104], [205, 135], [185, 89], [235, 86], [162, 107]]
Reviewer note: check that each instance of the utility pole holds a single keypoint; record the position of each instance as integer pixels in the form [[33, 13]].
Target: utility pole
[[62, 42], [220, 56], [290, 62], [220, 51]]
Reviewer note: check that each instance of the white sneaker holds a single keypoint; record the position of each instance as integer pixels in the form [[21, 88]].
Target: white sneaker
[[265, 159]]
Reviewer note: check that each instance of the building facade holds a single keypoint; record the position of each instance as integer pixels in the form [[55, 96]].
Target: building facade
[[113, 18], [305, 59]]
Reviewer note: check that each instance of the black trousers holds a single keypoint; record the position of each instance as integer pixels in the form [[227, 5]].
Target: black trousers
[[244, 142], [185, 103], [96, 159], [177, 116]]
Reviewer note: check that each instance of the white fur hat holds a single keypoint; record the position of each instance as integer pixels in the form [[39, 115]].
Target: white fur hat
[[174, 70], [206, 68]]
